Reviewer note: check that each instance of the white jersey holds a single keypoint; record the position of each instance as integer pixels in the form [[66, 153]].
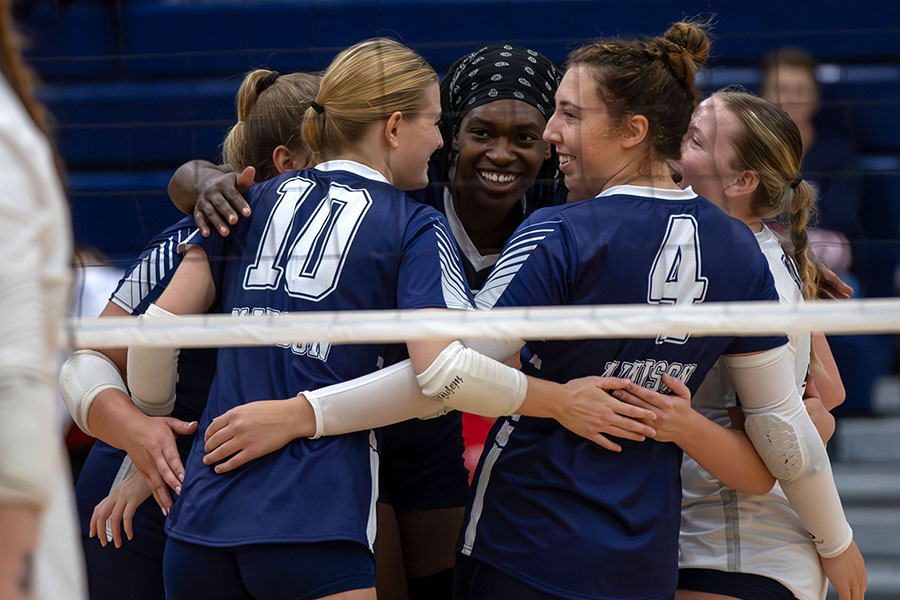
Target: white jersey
[[35, 275], [727, 530]]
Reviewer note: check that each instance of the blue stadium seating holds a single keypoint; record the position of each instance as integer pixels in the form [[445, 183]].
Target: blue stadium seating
[[140, 86]]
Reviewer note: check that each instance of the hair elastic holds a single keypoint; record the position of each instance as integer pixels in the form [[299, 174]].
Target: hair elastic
[[266, 82], [317, 107], [796, 181]]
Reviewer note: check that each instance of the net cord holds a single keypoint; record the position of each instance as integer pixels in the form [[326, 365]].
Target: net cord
[[534, 323]]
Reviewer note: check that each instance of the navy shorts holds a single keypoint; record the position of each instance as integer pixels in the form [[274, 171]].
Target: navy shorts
[[746, 586], [266, 571], [422, 465], [114, 573], [475, 580]]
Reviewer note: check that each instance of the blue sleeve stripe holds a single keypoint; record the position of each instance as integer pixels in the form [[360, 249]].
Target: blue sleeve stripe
[[452, 276], [515, 255], [509, 267], [145, 274], [451, 280], [489, 294], [154, 266], [447, 251], [530, 230], [449, 264], [448, 246]]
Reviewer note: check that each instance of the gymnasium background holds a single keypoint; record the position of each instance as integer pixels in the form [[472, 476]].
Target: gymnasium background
[[138, 87]]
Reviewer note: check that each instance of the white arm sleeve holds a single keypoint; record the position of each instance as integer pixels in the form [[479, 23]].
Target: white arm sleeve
[[471, 382], [152, 372], [388, 396], [84, 375], [385, 397], [782, 432]]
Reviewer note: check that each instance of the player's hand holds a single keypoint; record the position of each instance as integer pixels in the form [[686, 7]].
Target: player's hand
[[255, 429], [151, 446], [847, 573], [831, 287], [118, 509], [673, 411], [590, 411], [219, 200]]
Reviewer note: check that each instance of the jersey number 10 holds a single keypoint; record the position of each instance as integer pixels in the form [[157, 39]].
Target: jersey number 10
[[314, 257], [675, 277]]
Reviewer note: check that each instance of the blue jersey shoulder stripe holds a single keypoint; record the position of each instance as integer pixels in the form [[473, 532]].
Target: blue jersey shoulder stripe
[[145, 279]]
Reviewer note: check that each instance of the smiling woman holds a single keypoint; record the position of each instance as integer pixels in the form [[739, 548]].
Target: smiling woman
[[495, 168]]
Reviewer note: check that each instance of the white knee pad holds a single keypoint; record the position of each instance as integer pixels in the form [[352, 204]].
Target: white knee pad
[[777, 440]]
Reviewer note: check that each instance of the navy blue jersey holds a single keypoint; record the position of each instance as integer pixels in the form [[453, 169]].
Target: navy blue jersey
[[335, 237], [141, 285], [476, 265], [551, 508]]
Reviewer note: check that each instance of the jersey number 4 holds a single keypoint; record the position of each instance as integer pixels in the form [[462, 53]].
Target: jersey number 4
[[311, 260], [675, 277]]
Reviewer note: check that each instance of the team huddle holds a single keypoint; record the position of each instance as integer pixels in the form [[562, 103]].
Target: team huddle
[[676, 467]]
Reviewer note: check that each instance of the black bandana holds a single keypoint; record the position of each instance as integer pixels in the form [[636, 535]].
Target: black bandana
[[500, 72]]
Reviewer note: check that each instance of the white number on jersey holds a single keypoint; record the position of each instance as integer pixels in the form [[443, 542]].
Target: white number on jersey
[[675, 277], [316, 255]]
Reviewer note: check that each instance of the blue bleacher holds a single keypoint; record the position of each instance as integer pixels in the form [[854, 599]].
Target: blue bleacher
[[140, 86]]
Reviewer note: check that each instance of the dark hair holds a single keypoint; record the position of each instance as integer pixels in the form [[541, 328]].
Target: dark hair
[[650, 77], [547, 188]]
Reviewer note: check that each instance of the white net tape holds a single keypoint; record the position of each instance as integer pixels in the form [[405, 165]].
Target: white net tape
[[544, 323]]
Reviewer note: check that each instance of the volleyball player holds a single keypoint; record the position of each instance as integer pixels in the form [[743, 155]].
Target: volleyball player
[[135, 562], [542, 524], [744, 154], [608, 525], [495, 104], [297, 506]]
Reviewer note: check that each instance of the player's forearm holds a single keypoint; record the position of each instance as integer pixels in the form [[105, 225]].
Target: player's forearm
[[727, 454], [781, 430], [825, 372], [112, 417], [184, 187]]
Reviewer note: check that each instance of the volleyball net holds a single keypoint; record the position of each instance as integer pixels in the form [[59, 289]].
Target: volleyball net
[[867, 316]]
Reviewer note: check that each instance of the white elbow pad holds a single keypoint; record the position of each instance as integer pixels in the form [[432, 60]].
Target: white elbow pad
[[471, 382], [786, 439], [84, 375], [29, 445], [385, 397], [152, 372]]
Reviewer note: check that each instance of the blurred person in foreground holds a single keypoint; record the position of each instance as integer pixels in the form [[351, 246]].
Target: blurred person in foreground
[[35, 494]]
